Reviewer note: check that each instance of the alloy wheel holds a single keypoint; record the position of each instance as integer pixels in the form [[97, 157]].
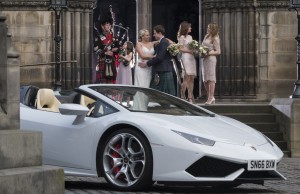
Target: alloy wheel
[[124, 159]]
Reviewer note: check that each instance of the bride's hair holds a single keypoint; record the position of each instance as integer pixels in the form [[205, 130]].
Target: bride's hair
[[142, 33]]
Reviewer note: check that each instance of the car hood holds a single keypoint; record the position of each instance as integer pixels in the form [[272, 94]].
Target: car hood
[[217, 128]]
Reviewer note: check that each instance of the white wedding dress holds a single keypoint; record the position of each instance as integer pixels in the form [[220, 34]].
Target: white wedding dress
[[142, 78]]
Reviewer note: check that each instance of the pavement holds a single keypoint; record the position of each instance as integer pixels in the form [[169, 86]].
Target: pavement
[[288, 167]]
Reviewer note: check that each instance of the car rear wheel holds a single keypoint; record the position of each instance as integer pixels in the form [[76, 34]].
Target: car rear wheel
[[127, 160]]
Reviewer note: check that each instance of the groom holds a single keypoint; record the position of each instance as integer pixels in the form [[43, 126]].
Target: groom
[[162, 74]]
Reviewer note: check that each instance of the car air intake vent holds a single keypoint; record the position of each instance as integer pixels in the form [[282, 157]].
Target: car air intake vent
[[212, 167], [259, 175]]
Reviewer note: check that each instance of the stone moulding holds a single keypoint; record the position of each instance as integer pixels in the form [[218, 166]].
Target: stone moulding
[[271, 4], [34, 5], [17, 5]]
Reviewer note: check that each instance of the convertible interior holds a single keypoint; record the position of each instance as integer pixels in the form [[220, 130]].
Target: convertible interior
[[45, 99]]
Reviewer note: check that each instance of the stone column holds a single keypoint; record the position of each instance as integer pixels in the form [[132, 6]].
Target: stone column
[[144, 14], [87, 46], [3, 69], [13, 85], [10, 76], [68, 49], [77, 45]]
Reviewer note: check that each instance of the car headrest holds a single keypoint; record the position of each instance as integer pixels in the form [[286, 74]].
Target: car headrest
[[46, 100], [85, 101]]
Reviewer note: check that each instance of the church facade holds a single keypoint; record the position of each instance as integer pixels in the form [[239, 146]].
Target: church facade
[[259, 50]]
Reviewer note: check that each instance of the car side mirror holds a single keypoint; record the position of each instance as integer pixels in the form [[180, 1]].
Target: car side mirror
[[74, 109]]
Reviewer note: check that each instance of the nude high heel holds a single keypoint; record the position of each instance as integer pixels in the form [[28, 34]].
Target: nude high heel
[[211, 101]]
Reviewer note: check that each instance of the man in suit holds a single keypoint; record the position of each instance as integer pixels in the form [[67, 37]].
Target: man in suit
[[162, 74]]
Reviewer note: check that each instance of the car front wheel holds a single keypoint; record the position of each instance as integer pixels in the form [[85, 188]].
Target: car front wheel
[[127, 160]]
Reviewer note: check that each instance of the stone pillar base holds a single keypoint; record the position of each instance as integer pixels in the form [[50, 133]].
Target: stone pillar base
[[35, 179], [21, 169], [289, 122]]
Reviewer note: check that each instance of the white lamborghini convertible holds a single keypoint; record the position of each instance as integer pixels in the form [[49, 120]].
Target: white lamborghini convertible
[[134, 137]]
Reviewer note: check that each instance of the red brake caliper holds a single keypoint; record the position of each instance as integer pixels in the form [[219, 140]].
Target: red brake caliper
[[115, 155]]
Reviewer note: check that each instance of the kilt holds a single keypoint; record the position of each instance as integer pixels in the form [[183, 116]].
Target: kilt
[[166, 83], [107, 71]]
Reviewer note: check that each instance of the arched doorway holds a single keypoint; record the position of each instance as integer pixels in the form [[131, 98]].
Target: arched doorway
[[170, 13]]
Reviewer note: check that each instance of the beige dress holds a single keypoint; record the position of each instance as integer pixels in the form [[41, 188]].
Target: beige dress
[[188, 59], [209, 63]]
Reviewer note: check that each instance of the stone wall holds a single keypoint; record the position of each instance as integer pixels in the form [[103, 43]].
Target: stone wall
[[288, 115], [277, 50], [32, 36], [33, 31], [259, 35]]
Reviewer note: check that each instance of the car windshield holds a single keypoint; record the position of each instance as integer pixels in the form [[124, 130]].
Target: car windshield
[[148, 100]]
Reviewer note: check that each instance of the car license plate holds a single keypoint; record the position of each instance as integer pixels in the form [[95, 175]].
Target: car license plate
[[261, 165]]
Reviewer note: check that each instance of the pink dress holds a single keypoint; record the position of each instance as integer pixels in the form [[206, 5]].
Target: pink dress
[[210, 62], [188, 59], [124, 75]]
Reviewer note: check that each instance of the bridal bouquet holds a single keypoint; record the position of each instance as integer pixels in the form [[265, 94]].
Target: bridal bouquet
[[173, 49], [122, 52], [193, 45], [203, 50]]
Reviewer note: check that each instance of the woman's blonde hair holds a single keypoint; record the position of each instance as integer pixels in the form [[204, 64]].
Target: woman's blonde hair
[[141, 34], [214, 29]]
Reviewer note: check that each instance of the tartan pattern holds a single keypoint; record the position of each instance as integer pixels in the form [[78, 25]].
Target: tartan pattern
[[101, 73], [106, 71], [166, 83]]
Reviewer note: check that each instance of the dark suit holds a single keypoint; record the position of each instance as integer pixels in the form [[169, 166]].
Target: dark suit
[[163, 66]]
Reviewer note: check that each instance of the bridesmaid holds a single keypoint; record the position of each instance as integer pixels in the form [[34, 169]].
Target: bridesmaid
[[187, 59], [124, 75], [212, 41]]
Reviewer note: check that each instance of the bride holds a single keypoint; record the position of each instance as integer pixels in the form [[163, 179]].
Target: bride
[[145, 50], [143, 76]]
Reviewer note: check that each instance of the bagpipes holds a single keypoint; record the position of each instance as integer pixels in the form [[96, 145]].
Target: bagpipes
[[108, 41], [119, 32], [122, 32]]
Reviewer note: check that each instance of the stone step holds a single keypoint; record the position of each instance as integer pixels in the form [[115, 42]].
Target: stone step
[[264, 127], [282, 145], [286, 153], [239, 108], [258, 116], [252, 117], [274, 136], [20, 148], [35, 179]]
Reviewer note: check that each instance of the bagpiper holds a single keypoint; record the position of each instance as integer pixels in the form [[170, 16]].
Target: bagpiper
[[106, 48]]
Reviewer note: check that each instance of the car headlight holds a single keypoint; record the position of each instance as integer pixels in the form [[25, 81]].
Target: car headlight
[[196, 139]]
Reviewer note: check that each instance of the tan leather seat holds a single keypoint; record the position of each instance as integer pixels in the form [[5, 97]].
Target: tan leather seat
[[88, 102], [46, 100], [85, 101]]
